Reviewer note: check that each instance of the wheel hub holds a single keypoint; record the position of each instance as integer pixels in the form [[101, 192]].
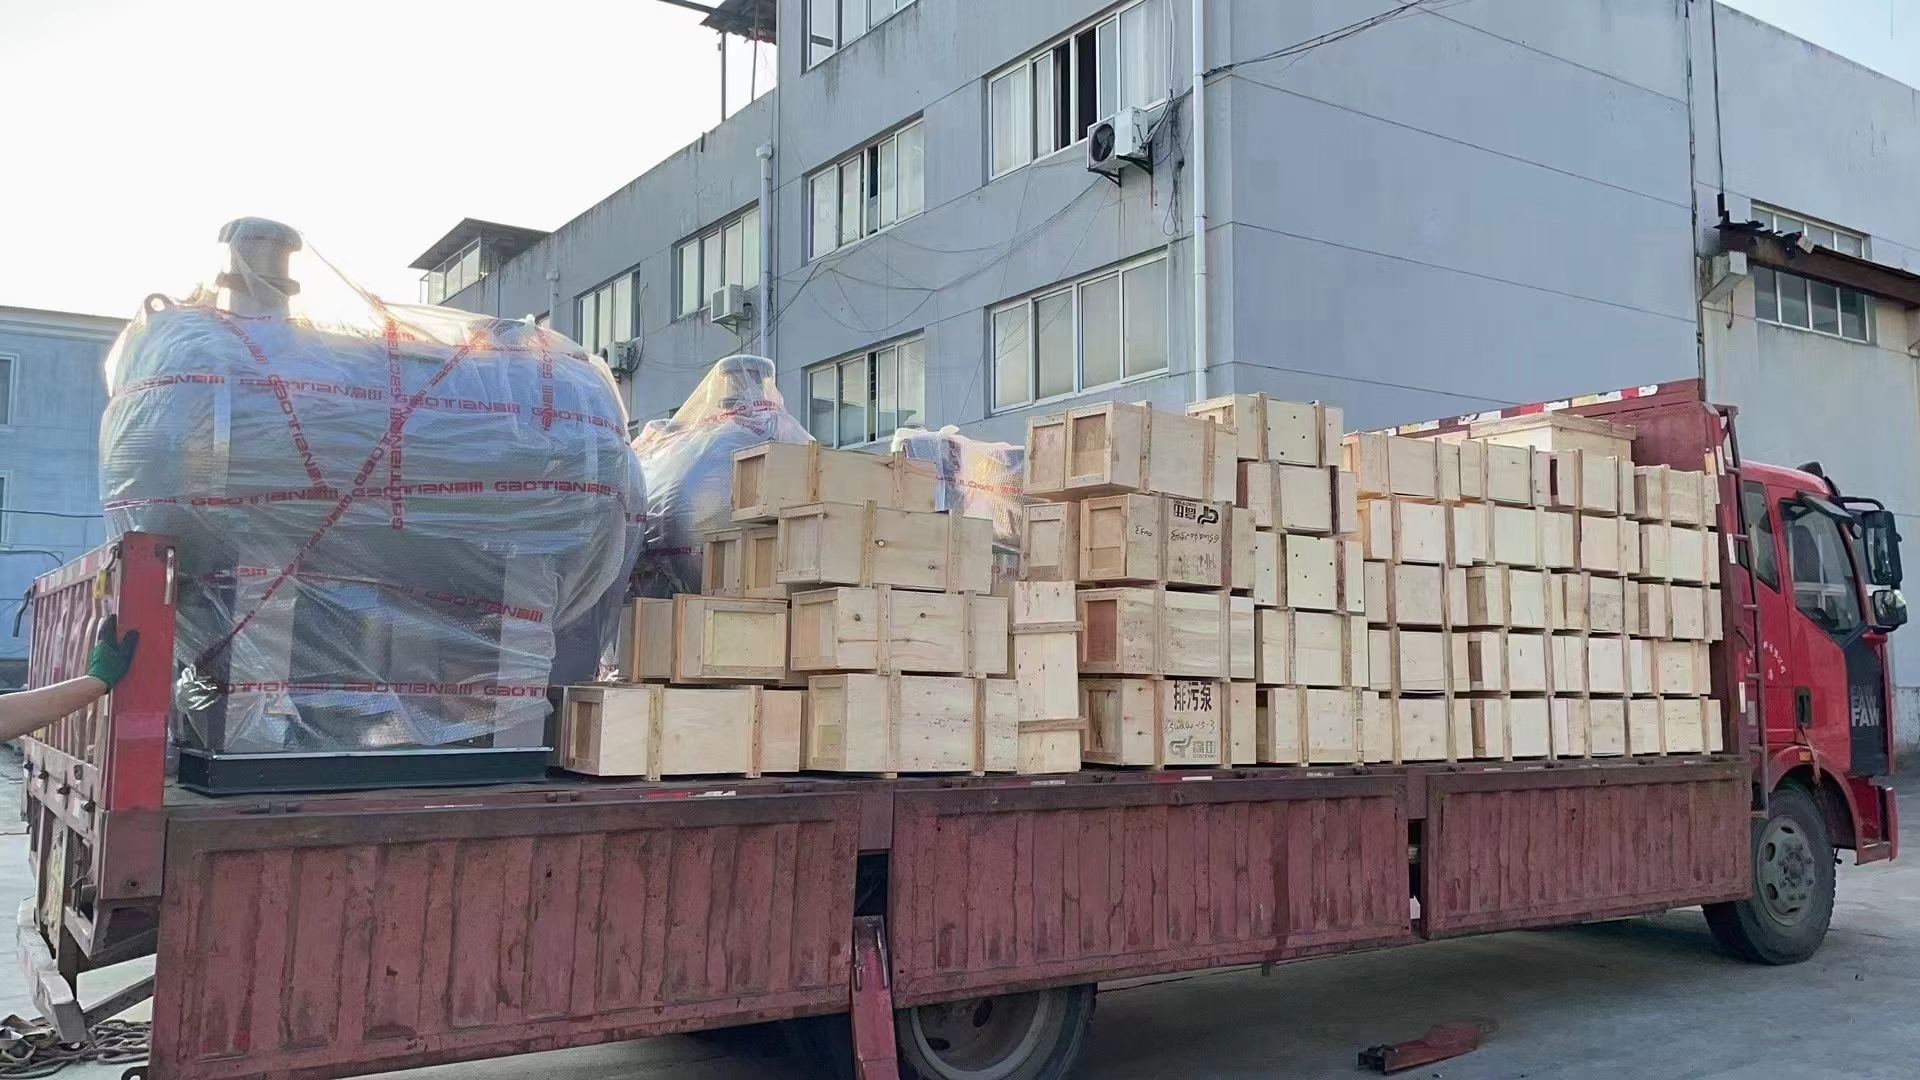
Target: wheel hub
[[1784, 871], [981, 1038]]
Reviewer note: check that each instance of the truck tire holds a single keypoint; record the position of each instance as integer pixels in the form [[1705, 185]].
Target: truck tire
[[1031, 1036], [1787, 917]]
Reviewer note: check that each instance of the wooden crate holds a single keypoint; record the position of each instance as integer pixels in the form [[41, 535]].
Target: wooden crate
[[1687, 612], [1352, 582], [1414, 661], [1135, 630], [1559, 549], [1157, 538], [1413, 595], [1346, 503], [1050, 542], [1268, 429], [1385, 465], [1485, 738], [771, 477], [1273, 647], [1403, 530], [882, 629], [1612, 605], [1503, 661], [1268, 585], [1509, 474], [1117, 449], [1501, 597], [659, 731], [1669, 668], [1302, 726], [1677, 553], [1290, 498], [703, 639], [1529, 728], [1690, 726], [1310, 572], [1469, 534], [1473, 470], [1046, 651], [1514, 539], [1167, 722], [1322, 649], [740, 563], [1415, 729], [845, 544], [1679, 496], [1551, 431], [1650, 609], [890, 724], [1594, 727], [1715, 613], [1588, 481], [1605, 545]]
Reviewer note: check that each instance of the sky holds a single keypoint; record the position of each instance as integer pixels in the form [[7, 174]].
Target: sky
[[134, 129]]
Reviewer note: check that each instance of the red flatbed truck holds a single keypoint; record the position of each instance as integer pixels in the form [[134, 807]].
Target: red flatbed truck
[[963, 923]]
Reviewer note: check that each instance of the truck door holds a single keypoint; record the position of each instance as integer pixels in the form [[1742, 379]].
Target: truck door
[[1838, 680], [1777, 673]]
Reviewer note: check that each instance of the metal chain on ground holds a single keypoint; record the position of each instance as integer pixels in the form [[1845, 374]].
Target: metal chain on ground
[[30, 1048]]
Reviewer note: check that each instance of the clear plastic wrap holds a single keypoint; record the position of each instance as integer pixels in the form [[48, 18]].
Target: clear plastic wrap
[[980, 479], [394, 520], [688, 462]]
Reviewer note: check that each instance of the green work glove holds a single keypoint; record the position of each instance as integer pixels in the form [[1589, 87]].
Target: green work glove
[[112, 654]]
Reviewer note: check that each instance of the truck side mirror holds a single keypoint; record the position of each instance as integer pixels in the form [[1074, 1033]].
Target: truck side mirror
[[1889, 609], [1880, 545]]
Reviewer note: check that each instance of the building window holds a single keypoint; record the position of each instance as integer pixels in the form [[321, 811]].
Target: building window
[[1791, 300], [1073, 338], [458, 271], [1831, 237], [865, 397], [867, 191], [1048, 100], [727, 254], [606, 315], [6, 387], [833, 24]]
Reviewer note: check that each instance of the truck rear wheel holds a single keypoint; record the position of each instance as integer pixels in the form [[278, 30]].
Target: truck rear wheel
[[1031, 1036], [1787, 917]]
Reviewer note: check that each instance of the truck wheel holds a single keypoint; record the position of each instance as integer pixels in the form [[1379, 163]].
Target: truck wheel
[[1032, 1036], [1786, 919]]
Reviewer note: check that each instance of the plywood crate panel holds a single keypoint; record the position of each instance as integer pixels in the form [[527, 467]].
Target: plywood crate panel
[[890, 724], [1413, 661], [1680, 496], [1166, 722], [1273, 647], [1502, 661], [1515, 536], [1145, 631], [1551, 431], [1045, 625], [883, 629], [1509, 474], [845, 544], [1469, 534], [1529, 728], [1390, 465], [1403, 530], [1677, 668], [1312, 569], [659, 731], [1050, 542], [1290, 498], [1352, 584], [1612, 605], [1606, 664], [1650, 609], [1559, 549], [1301, 726], [1414, 595], [1118, 448], [1606, 545], [1157, 538], [1567, 663], [741, 564], [1328, 650], [1585, 481], [771, 477], [1643, 727], [1684, 722], [1422, 727], [695, 639], [1268, 429], [1716, 614], [1687, 610], [1501, 597], [1268, 584], [1567, 601]]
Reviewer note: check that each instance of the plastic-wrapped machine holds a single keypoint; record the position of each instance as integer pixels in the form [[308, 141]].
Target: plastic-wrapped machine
[[394, 521], [980, 479], [688, 462]]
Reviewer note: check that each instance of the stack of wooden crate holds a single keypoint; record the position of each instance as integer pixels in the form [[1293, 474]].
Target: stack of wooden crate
[[844, 598], [1520, 584]]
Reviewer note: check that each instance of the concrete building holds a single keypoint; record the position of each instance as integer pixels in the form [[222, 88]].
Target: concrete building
[[52, 392], [1463, 206]]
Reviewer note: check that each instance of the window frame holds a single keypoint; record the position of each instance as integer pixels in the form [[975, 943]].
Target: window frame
[[840, 40], [10, 384], [1772, 314], [436, 278], [871, 358], [1770, 216], [696, 244], [581, 327], [1760, 557], [1077, 287], [6, 505], [867, 157], [1070, 83], [1792, 510]]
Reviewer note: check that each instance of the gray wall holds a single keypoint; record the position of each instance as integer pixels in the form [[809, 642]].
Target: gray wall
[[49, 453], [1809, 131]]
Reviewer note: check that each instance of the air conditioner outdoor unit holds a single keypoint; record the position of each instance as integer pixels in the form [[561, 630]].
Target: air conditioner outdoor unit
[[624, 357], [1119, 140], [728, 307]]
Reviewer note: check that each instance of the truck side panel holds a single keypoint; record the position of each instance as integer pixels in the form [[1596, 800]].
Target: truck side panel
[[1003, 889], [1513, 849], [342, 941]]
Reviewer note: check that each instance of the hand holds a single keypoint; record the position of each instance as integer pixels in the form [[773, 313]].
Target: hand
[[112, 654]]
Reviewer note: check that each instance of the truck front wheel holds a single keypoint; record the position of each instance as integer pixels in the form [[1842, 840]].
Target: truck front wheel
[[1031, 1036], [1786, 919]]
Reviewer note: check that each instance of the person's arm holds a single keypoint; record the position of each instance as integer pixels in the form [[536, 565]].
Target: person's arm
[[30, 710]]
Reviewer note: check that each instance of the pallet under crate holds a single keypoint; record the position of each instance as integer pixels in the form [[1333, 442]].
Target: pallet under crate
[[659, 731]]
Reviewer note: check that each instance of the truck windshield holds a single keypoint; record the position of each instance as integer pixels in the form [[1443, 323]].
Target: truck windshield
[[1824, 586]]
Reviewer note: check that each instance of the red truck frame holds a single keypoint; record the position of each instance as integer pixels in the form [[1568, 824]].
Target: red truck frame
[[309, 936]]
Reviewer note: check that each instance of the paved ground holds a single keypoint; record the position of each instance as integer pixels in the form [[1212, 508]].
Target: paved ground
[[1650, 999]]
